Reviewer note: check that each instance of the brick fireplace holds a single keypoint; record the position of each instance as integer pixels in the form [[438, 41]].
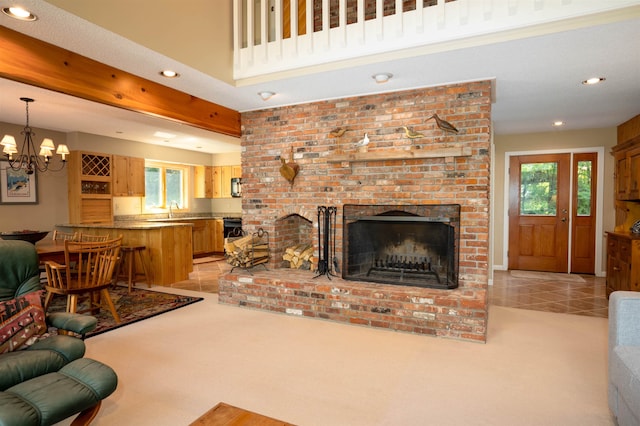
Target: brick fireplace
[[437, 169]]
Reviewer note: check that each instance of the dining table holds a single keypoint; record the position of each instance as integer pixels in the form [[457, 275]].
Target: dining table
[[50, 250]]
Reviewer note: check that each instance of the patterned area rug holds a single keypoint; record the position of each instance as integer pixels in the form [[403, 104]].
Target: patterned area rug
[[550, 276], [137, 306]]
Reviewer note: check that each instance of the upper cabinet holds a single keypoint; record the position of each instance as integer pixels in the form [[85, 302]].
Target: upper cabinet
[[215, 181], [128, 176], [90, 187], [627, 161], [203, 187]]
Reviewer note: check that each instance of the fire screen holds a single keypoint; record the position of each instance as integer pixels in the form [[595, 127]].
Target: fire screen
[[413, 245]]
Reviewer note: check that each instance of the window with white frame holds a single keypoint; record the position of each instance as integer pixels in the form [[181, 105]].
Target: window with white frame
[[165, 186]]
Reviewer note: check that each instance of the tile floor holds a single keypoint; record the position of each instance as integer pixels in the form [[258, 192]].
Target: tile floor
[[205, 275], [550, 295]]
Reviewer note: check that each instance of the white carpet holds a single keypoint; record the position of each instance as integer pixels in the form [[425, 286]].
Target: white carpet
[[547, 276], [537, 368]]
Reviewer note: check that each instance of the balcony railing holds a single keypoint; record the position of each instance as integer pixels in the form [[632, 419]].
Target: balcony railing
[[268, 40]]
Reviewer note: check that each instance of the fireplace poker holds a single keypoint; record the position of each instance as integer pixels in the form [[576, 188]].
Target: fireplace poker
[[334, 211], [324, 235]]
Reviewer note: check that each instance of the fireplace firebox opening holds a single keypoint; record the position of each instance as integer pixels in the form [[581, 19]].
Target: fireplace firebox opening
[[413, 245]]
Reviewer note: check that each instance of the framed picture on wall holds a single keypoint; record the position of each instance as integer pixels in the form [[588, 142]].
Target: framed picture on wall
[[17, 187]]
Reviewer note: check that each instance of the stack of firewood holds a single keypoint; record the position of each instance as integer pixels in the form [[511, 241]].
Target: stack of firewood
[[246, 252], [300, 257]]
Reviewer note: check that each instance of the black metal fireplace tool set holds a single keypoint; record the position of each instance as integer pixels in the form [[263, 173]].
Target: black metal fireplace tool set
[[327, 260]]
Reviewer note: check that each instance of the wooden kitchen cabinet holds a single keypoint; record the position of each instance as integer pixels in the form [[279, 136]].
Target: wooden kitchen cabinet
[[89, 187], [201, 237], [217, 234], [623, 262], [207, 235], [225, 175], [215, 181], [216, 177], [204, 182], [128, 176]]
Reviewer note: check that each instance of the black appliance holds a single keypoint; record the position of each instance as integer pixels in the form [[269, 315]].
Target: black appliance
[[232, 226]]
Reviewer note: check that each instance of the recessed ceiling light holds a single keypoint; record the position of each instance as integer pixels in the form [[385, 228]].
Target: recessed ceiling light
[[266, 95], [19, 13], [558, 123], [382, 77], [593, 80], [169, 74], [164, 135]]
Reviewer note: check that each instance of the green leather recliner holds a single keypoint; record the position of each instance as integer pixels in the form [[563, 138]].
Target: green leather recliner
[[50, 380]]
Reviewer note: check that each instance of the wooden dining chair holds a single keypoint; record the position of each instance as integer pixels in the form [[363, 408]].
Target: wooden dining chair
[[90, 237], [95, 263], [58, 236]]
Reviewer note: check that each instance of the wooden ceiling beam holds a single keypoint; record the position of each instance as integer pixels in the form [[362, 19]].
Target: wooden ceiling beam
[[37, 63]]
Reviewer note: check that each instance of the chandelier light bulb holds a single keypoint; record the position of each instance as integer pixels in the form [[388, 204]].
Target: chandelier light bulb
[[28, 159]]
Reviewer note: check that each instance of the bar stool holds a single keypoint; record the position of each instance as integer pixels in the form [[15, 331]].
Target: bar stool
[[128, 261]]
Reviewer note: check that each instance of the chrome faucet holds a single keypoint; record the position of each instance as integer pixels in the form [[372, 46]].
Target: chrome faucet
[[171, 208]]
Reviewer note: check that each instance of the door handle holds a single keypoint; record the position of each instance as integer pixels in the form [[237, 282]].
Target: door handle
[[564, 219]]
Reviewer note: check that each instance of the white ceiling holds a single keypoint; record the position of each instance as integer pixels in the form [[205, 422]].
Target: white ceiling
[[538, 80]]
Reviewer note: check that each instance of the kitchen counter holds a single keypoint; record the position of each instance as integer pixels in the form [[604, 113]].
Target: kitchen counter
[[168, 245], [150, 224]]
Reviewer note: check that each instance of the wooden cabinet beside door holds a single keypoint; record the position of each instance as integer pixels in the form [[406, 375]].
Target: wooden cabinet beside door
[[623, 262]]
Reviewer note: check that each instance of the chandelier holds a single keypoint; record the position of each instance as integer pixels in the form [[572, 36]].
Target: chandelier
[[27, 158]]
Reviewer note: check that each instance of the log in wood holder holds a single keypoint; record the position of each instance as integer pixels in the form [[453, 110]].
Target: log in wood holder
[[248, 250]]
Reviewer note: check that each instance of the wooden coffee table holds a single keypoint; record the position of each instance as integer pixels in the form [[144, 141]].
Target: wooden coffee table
[[228, 415]]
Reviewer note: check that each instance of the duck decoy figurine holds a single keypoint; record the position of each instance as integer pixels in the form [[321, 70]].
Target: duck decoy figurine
[[364, 141], [337, 132], [411, 134], [443, 124]]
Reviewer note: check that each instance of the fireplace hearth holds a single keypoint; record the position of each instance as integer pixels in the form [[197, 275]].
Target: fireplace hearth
[[396, 185], [414, 245]]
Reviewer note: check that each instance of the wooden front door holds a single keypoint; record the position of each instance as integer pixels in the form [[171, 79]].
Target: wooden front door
[[539, 196], [583, 213], [552, 209]]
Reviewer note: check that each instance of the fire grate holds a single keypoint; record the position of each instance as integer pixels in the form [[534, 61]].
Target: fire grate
[[413, 245], [404, 265]]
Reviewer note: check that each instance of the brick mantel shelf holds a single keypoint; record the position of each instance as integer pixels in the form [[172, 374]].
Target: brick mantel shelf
[[403, 154]]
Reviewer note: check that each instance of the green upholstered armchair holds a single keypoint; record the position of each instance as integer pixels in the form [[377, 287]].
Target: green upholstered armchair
[[47, 381]]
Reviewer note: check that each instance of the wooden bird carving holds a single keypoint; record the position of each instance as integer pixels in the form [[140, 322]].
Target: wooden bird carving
[[411, 134], [443, 124], [337, 132], [364, 141], [289, 170]]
